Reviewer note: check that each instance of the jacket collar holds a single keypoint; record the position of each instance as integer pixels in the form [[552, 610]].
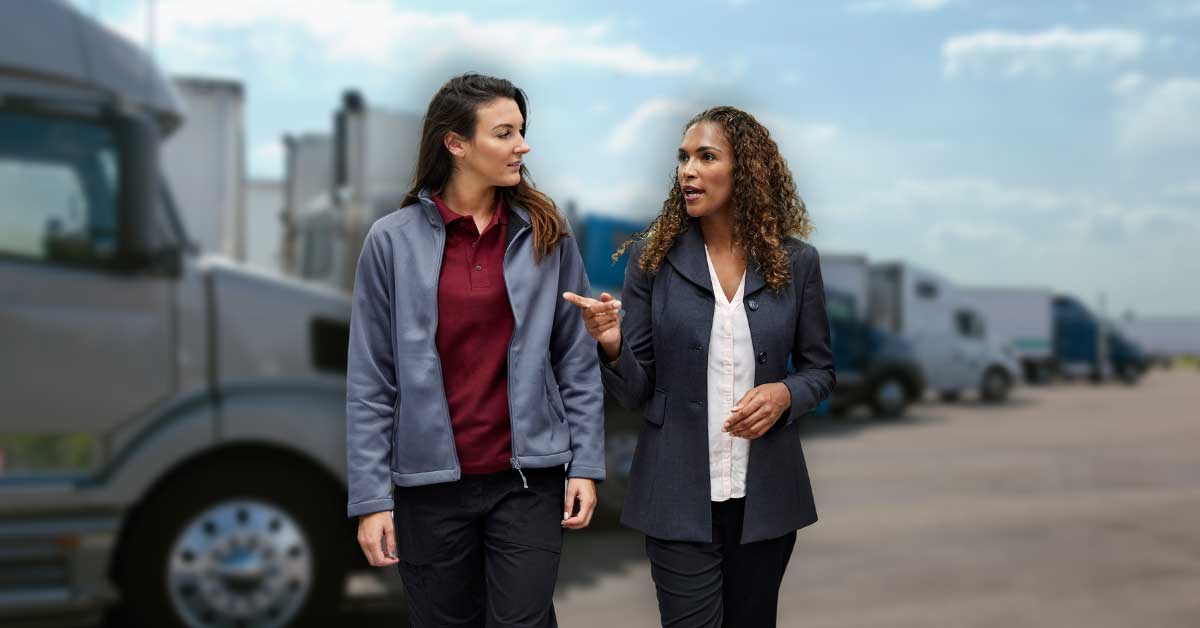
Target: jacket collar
[[518, 218], [688, 258]]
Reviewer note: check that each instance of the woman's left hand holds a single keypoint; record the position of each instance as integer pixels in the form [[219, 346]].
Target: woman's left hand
[[758, 410]]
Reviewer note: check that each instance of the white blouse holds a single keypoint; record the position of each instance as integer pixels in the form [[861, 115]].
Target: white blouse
[[730, 375]]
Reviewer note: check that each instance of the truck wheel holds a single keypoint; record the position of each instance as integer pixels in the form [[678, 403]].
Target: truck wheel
[[237, 545], [995, 386], [888, 398], [1130, 374]]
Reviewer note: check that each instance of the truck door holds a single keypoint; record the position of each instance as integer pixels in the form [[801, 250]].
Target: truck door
[[86, 347]]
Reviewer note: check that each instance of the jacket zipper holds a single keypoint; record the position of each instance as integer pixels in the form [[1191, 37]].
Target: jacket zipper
[[512, 430], [437, 278]]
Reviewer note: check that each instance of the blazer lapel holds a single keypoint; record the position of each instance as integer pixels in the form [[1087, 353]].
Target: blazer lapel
[[754, 278], [687, 256]]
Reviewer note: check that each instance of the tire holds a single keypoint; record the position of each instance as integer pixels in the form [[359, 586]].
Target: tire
[[995, 386], [889, 399], [1130, 374], [950, 396], [235, 544]]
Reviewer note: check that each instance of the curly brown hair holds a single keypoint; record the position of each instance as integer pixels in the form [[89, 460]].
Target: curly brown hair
[[766, 207]]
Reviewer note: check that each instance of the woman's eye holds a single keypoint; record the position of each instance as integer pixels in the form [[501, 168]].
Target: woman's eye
[[505, 135], [709, 156]]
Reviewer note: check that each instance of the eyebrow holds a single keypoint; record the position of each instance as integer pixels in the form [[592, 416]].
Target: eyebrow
[[702, 148], [501, 126]]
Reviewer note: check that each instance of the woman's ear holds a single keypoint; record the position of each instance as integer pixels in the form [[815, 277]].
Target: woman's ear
[[455, 143]]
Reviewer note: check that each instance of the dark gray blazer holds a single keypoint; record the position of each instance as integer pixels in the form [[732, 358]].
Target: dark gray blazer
[[663, 368]]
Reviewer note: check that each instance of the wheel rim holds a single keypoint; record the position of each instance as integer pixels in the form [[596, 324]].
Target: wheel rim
[[890, 395], [240, 563]]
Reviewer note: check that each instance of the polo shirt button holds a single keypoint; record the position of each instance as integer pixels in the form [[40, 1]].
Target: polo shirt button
[[752, 304], [762, 357], [478, 267]]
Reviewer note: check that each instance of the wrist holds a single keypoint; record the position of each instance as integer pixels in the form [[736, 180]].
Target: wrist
[[612, 350]]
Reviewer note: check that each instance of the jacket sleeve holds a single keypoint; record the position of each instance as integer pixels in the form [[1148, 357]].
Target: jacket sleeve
[[573, 358], [630, 379], [371, 393], [812, 355]]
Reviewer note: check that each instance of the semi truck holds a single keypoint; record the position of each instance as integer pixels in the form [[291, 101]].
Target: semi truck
[[875, 367], [173, 436], [948, 335], [1021, 321], [1086, 345]]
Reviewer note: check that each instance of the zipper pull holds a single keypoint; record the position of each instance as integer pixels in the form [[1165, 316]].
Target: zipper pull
[[517, 465]]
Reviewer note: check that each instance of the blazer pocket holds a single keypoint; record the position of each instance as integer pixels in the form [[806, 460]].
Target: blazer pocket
[[656, 408]]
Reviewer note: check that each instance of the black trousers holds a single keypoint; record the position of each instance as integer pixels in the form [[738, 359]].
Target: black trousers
[[723, 583], [483, 551]]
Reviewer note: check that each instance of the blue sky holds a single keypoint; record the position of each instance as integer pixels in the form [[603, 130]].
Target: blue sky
[[1040, 143]]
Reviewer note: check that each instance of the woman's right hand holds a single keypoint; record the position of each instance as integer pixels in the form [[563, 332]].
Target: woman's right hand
[[377, 538], [602, 320]]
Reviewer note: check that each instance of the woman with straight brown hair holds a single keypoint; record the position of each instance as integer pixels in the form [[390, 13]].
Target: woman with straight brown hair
[[473, 391]]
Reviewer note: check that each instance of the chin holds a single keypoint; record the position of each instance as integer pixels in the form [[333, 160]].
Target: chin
[[698, 210]]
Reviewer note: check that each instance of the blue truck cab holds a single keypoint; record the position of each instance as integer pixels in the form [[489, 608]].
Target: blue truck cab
[[874, 367]]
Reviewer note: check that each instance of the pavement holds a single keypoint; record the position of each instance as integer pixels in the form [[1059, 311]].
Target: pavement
[[1072, 505]]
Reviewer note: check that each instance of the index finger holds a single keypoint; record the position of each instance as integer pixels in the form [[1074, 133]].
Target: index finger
[[578, 300]]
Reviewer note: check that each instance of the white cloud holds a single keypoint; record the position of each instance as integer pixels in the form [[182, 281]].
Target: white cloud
[[1190, 189], [874, 6], [377, 33], [633, 199], [1041, 53], [657, 112], [1166, 116], [1128, 83]]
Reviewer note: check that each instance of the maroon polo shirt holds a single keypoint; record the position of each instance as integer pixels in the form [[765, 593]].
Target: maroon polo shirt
[[475, 325]]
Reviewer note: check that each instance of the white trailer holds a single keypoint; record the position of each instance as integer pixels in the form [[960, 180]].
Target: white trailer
[[1020, 320], [848, 273], [264, 224], [374, 155], [1164, 337], [947, 334], [307, 182], [205, 167]]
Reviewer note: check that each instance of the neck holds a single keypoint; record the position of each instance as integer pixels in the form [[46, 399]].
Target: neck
[[467, 195], [717, 229]]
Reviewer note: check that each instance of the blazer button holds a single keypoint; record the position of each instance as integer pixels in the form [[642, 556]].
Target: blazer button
[[752, 304], [762, 357]]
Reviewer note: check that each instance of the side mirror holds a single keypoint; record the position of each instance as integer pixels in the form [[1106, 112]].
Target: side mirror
[[137, 190]]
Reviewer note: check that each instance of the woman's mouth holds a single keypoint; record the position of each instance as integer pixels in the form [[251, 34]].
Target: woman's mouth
[[515, 164], [691, 194]]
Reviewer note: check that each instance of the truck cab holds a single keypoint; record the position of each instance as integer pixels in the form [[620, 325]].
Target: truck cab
[[947, 333], [173, 440], [874, 367]]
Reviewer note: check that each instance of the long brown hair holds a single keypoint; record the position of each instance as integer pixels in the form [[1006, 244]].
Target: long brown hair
[[766, 207], [453, 109]]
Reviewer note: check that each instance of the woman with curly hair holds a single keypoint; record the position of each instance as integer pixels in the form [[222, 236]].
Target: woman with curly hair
[[720, 295]]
